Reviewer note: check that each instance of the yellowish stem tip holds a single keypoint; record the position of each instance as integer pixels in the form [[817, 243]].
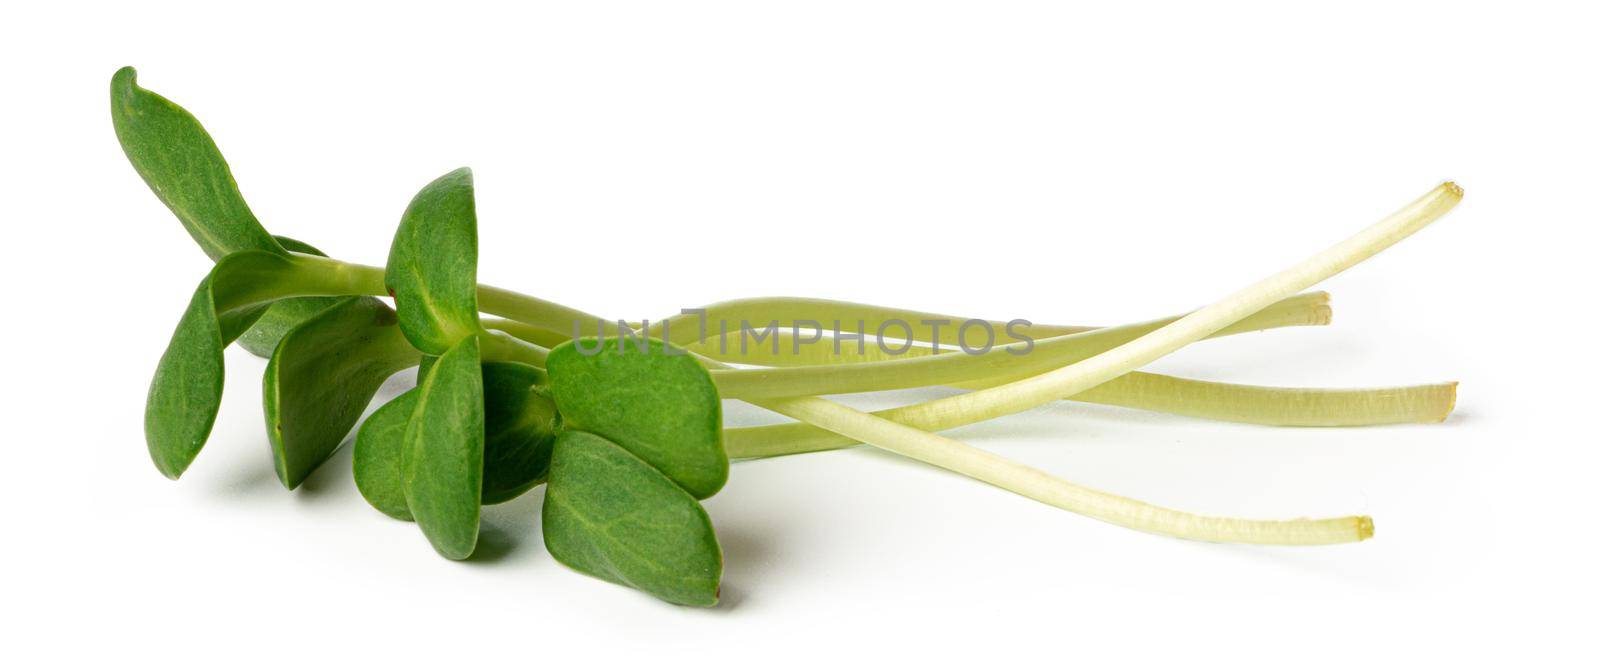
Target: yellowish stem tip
[[1450, 407]]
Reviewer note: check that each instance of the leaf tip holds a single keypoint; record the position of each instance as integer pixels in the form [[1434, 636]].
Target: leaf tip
[[125, 77], [458, 181], [123, 85], [280, 467], [169, 468]]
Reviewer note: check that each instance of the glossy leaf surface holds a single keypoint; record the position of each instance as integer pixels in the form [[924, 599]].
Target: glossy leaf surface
[[377, 456], [186, 391], [610, 515], [321, 378], [182, 165], [519, 430], [441, 462], [661, 407], [433, 265]]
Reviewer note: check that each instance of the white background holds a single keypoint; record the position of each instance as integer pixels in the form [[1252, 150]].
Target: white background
[[1070, 164]]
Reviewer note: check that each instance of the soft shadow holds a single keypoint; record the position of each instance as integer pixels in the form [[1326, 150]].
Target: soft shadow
[[510, 529], [728, 598], [249, 480], [333, 479], [494, 545], [743, 550], [1290, 558], [750, 549]]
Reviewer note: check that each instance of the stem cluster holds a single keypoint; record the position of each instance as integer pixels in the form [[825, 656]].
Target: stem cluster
[[623, 422]]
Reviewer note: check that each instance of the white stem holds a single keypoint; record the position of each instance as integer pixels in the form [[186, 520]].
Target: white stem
[[1041, 486], [1069, 380], [1066, 381]]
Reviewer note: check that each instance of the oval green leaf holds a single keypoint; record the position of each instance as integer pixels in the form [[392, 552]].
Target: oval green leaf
[[187, 388], [441, 462], [610, 515], [519, 425], [433, 265], [377, 456], [182, 165], [662, 406], [321, 378], [519, 430]]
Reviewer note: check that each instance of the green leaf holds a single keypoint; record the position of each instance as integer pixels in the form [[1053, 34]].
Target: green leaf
[[424, 366], [441, 463], [377, 455], [177, 158], [433, 265], [187, 389], [262, 338], [284, 315], [519, 424], [661, 406], [612, 516], [322, 376]]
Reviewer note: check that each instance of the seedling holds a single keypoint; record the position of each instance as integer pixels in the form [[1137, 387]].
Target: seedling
[[624, 423]]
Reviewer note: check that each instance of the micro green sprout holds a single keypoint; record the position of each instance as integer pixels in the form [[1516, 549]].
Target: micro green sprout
[[623, 421]]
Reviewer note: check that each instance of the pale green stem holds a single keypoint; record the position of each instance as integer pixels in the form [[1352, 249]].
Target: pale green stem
[[1035, 484], [545, 323], [1221, 401], [1274, 406], [501, 346], [1038, 485], [1060, 383], [526, 332], [810, 351], [319, 275], [1064, 382], [785, 312], [1194, 398], [1010, 361]]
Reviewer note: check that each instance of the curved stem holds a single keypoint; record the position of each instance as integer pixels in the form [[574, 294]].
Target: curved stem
[[785, 312], [1010, 361], [529, 333], [1219, 401], [1273, 406], [314, 275], [542, 314], [535, 317], [1031, 392], [1306, 309], [1038, 390], [1038, 485], [502, 346], [1027, 393], [546, 324]]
